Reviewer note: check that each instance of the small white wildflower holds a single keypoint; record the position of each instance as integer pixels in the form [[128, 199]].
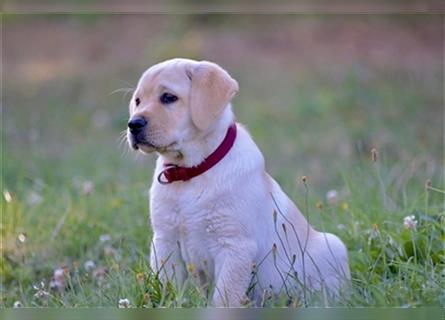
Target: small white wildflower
[[410, 222], [104, 238], [21, 237], [58, 280], [34, 198], [17, 305], [89, 265], [59, 273], [332, 197], [40, 291], [87, 187], [7, 196], [124, 303]]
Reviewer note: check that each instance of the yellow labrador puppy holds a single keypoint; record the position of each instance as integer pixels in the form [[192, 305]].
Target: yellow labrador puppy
[[213, 207]]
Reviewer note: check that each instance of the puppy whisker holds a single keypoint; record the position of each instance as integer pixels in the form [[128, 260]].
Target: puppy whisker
[[122, 143], [125, 92]]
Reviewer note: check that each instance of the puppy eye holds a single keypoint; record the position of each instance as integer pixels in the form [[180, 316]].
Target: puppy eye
[[167, 98], [137, 101]]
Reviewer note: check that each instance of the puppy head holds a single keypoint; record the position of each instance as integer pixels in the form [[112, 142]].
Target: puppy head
[[176, 100]]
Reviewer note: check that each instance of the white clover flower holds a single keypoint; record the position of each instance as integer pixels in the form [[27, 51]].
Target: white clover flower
[[58, 280], [124, 303], [40, 291], [89, 265], [410, 222], [332, 197], [22, 237], [87, 187], [59, 273], [17, 305]]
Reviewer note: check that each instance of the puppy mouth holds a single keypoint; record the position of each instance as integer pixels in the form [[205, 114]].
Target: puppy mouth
[[137, 143]]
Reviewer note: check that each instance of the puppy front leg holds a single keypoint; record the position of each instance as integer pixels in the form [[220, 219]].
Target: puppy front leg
[[233, 272], [165, 259]]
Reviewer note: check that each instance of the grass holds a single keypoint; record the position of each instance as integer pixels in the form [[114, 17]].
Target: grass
[[391, 265], [72, 194]]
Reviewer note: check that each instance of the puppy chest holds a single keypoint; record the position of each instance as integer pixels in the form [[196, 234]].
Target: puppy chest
[[197, 241], [199, 227]]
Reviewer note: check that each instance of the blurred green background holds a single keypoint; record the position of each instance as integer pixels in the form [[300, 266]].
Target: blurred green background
[[317, 92]]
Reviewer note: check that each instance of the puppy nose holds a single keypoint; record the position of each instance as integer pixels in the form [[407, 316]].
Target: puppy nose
[[137, 124]]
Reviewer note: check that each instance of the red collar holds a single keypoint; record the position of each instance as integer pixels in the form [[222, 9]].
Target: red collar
[[175, 173]]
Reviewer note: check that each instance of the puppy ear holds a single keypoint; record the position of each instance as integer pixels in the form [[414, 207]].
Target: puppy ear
[[211, 90]]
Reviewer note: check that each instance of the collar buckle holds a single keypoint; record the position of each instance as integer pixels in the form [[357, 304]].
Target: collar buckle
[[173, 173]]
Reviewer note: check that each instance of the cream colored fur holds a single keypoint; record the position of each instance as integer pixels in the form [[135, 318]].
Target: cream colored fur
[[226, 225]]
